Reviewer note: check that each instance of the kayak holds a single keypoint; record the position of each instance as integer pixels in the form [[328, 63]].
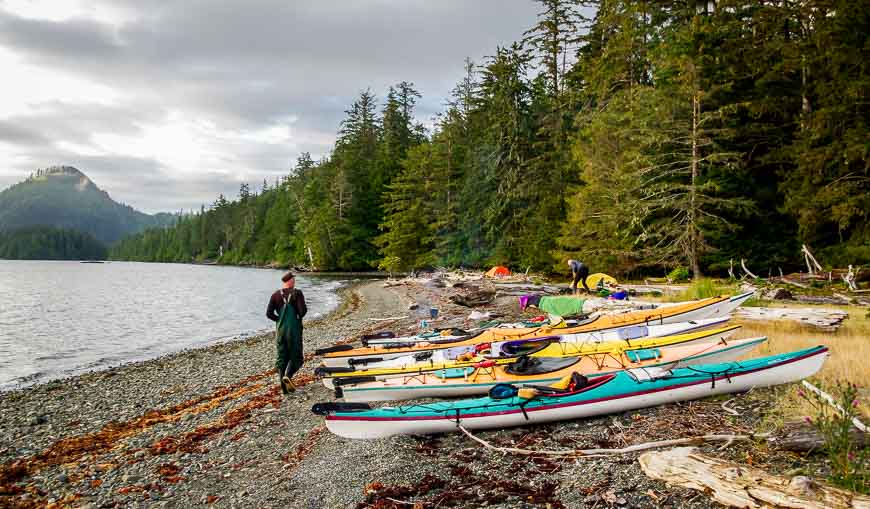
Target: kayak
[[389, 339], [612, 393], [541, 370], [549, 347], [721, 306], [624, 333]]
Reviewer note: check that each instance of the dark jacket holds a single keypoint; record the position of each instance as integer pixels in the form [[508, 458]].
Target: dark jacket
[[276, 303]]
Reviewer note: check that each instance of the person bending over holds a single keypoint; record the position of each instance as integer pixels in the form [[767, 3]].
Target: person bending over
[[579, 272], [287, 308]]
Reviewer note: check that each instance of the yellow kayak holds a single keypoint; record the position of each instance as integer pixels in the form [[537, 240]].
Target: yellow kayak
[[549, 349], [695, 310]]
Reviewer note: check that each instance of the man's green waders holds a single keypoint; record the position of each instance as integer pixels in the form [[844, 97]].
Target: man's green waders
[[288, 336]]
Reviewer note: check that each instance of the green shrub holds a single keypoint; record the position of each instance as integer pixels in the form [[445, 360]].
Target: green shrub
[[679, 274]]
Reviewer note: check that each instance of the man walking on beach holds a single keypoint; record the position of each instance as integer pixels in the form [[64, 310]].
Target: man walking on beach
[[579, 272], [286, 308]]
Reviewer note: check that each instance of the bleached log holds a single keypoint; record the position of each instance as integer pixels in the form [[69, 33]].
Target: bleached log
[[818, 299], [527, 289], [850, 277], [736, 485], [794, 283], [830, 400], [823, 319], [798, 436], [808, 257], [743, 264]]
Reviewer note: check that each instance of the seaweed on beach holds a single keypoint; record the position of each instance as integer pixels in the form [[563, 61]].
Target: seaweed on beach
[[191, 442], [294, 458], [73, 449]]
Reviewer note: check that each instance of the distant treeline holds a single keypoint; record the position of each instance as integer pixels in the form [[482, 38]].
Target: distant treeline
[[651, 134], [47, 243]]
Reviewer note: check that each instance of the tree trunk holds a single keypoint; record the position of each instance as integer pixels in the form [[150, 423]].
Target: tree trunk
[[693, 228]]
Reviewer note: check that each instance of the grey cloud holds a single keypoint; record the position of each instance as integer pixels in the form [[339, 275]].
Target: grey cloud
[[75, 38], [12, 132], [246, 66], [63, 121]]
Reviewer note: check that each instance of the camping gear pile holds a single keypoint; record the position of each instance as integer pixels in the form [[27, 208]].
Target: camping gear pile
[[548, 370]]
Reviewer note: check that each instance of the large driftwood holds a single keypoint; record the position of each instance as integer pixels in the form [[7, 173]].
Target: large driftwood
[[475, 297], [743, 265], [742, 486], [819, 299], [518, 289], [809, 257], [798, 436], [824, 319]]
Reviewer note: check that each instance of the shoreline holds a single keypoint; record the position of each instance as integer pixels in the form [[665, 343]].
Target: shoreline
[[209, 428], [215, 263]]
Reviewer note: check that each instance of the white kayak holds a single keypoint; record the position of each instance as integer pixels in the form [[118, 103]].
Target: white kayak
[[625, 333], [465, 383], [613, 393], [550, 347]]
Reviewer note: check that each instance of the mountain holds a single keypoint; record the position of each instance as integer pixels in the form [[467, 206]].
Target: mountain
[[64, 197]]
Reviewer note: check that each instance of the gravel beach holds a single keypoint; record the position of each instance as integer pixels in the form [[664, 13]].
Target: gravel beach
[[210, 427]]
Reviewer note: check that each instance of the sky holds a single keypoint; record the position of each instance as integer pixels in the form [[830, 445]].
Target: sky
[[166, 104]]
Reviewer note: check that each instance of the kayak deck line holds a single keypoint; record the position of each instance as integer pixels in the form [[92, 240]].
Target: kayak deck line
[[820, 350]]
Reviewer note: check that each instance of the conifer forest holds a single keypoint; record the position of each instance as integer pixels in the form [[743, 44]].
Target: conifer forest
[[634, 136]]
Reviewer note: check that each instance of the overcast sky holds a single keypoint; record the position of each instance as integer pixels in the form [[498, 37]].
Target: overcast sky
[[166, 104]]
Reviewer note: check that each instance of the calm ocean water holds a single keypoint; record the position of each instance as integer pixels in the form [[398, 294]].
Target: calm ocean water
[[62, 318]]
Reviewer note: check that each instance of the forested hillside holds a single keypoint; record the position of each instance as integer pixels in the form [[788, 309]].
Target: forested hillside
[[631, 135], [64, 197], [46, 243]]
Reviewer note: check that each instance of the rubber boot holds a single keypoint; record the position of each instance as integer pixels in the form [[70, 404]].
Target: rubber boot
[[283, 386], [288, 383]]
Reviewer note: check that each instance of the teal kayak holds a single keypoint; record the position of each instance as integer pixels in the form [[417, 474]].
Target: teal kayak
[[612, 393]]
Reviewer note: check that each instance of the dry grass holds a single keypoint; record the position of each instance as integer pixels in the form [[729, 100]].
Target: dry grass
[[849, 360]]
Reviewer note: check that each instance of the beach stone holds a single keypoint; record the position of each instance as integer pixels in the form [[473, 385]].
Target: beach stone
[[435, 283], [778, 294]]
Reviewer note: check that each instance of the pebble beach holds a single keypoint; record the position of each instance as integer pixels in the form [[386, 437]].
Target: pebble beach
[[210, 427]]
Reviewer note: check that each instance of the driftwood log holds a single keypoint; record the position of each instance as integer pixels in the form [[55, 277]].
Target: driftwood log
[[474, 297], [798, 436], [519, 289], [736, 485], [823, 319], [820, 299]]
